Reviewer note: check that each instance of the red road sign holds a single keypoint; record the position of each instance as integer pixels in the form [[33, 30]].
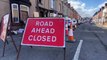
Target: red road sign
[[4, 26], [47, 32]]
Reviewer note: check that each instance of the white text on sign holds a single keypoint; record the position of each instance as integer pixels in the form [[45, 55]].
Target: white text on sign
[[43, 31]]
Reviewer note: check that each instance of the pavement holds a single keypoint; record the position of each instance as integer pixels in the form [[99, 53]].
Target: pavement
[[101, 26]]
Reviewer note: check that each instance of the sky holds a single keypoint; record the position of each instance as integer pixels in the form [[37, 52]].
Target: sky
[[86, 8]]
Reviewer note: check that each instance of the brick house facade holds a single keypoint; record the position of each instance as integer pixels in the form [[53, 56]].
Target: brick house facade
[[20, 10]]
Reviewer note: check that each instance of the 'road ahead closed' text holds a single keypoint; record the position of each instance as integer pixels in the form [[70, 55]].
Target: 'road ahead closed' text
[[38, 34]]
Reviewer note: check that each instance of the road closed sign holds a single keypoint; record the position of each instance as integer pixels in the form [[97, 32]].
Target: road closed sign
[[48, 32]]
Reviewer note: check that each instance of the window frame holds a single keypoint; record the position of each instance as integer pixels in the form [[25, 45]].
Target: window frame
[[25, 10], [13, 12]]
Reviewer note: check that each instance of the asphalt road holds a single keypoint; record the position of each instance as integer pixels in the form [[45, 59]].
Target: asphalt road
[[94, 47]]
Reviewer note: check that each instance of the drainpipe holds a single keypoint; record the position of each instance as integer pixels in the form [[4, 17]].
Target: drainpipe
[[19, 10], [37, 7], [48, 8], [10, 11]]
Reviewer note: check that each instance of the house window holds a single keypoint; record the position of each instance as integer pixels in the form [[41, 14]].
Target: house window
[[24, 13], [15, 13], [24, 8], [52, 4]]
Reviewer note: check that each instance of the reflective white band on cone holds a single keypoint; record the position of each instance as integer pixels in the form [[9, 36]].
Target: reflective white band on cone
[[70, 32]]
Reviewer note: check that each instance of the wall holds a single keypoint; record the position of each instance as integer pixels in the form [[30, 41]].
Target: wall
[[4, 8], [33, 8]]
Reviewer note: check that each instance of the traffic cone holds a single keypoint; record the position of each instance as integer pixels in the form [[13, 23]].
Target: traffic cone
[[70, 34], [66, 29]]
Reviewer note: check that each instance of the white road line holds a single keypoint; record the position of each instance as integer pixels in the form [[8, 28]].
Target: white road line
[[76, 56]]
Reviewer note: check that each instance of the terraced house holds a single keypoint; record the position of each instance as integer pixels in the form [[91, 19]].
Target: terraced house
[[20, 10], [100, 17]]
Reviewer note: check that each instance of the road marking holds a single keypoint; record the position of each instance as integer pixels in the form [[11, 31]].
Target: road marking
[[94, 31], [76, 56]]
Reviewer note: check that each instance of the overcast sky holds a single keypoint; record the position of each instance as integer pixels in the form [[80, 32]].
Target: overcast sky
[[86, 8]]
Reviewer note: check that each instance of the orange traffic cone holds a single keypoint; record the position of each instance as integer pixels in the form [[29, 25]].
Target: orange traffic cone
[[70, 34]]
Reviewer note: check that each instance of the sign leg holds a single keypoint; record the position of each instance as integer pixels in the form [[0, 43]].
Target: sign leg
[[13, 42], [31, 47], [4, 46], [18, 52], [64, 53], [7, 42]]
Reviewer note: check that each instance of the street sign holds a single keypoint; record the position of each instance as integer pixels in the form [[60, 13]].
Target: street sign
[[3, 27], [48, 32]]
